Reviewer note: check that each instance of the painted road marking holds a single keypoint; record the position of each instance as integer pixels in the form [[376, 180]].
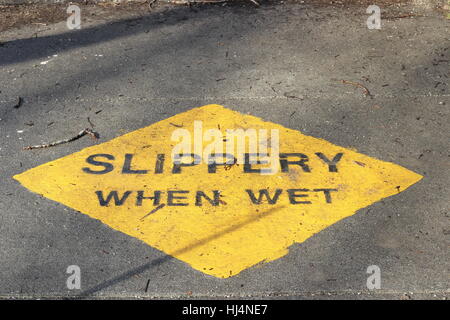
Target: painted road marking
[[219, 221]]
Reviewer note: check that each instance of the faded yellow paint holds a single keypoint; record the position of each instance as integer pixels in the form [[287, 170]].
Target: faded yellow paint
[[226, 239]]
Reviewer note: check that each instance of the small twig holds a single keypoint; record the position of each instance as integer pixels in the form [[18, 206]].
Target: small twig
[[228, 166], [189, 2], [408, 15], [153, 211], [196, 1], [90, 122], [356, 84], [82, 133]]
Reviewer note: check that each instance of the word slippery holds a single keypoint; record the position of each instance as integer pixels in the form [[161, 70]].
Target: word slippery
[[104, 163]]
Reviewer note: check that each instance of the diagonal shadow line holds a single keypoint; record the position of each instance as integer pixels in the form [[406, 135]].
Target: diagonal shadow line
[[45, 46], [169, 256], [158, 46]]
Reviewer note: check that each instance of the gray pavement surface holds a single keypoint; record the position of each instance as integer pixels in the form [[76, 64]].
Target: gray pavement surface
[[128, 73]]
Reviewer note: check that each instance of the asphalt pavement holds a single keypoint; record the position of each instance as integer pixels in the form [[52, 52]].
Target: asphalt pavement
[[283, 63]]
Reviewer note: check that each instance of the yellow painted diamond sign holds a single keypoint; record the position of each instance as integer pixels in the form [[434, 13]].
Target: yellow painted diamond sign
[[219, 218]]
